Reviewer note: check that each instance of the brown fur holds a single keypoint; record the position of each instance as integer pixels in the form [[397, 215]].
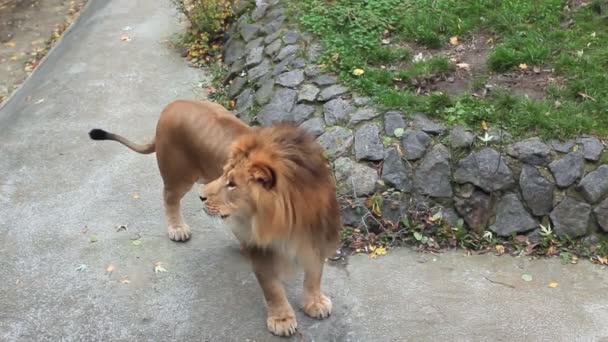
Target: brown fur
[[192, 143], [283, 206], [278, 194]]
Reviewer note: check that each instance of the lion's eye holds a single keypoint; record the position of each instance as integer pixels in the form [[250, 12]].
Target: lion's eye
[[231, 185]]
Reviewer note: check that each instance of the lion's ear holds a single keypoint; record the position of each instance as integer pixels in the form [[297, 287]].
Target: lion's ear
[[263, 174]]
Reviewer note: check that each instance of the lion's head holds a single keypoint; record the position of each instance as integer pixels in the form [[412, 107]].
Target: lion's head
[[276, 178]]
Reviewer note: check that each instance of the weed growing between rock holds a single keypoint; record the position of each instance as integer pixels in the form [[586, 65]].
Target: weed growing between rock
[[390, 219]]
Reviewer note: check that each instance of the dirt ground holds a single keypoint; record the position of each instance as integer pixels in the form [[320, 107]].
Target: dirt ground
[[470, 58], [28, 29]]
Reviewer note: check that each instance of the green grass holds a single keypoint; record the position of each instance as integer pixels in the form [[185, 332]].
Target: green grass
[[525, 32]]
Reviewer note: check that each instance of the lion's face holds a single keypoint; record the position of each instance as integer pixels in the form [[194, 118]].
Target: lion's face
[[234, 192]]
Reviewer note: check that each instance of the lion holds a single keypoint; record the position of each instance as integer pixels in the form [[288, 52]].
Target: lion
[[192, 143], [278, 195]]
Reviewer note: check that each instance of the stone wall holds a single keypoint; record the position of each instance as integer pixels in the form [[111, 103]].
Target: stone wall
[[491, 183]]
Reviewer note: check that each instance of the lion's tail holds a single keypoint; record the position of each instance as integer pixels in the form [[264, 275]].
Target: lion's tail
[[100, 134]]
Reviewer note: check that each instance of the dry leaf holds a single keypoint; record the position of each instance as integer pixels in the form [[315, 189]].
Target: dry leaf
[[500, 249], [386, 41], [11, 44], [602, 260], [484, 125], [232, 103], [158, 267], [523, 66], [135, 196], [125, 281], [14, 58], [464, 66], [110, 268], [554, 284], [454, 40], [125, 38], [574, 259], [585, 96], [376, 251]]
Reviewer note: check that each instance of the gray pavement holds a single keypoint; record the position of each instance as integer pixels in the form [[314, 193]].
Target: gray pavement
[[54, 182]]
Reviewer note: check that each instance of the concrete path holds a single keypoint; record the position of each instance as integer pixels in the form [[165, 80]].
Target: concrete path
[[58, 190]]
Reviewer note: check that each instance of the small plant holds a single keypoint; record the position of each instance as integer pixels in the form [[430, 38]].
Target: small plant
[[208, 20]]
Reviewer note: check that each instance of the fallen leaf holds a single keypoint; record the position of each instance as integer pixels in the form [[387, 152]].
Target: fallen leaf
[[136, 242], [232, 103], [135, 196], [110, 268], [602, 260], [526, 277], [464, 66], [158, 267], [125, 38], [454, 40], [500, 249], [574, 259], [14, 58], [81, 267], [358, 72], [554, 284], [523, 66], [585, 96], [11, 44], [378, 251], [125, 281], [93, 238], [386, 41], [484, 125]]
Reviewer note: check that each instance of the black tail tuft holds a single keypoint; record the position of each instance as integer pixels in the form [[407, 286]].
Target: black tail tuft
[[98, 134]]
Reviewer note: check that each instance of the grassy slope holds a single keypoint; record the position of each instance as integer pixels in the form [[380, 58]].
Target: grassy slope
[[530, 32]]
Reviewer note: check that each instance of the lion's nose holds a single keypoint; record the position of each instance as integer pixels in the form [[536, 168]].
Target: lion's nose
[[202, 198]]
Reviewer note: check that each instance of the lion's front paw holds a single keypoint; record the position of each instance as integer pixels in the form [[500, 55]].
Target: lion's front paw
[[282, 325], [318, 306], [179, 232]]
